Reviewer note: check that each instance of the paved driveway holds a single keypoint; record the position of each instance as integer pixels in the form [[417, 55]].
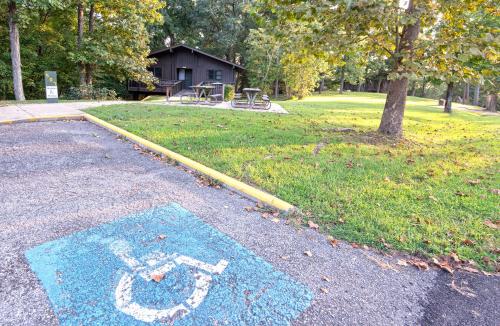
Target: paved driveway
[[61, 178]]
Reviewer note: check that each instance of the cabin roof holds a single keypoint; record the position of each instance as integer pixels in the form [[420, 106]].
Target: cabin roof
[[152, 53]]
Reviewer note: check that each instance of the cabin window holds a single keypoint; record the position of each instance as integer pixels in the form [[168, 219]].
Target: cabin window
[[215, 75], [156, 71]]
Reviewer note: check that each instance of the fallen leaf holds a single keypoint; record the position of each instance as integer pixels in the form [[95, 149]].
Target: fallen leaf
[[312, 225], [157, 277], [324, 290], [275, 220], [308, 253], [334, 242], [443, 265], [266, 215], [463, 290], [285, 257], [490, 224], [468, 242], [495, 191], [249, 208], [469, 269], [354, 245], [433, 198], [474, 182], [402, 262], [326, 279], [387, 245], [455, 258], [162, 237], [259, 205], [459, 193], [419, 264], [380, 263]]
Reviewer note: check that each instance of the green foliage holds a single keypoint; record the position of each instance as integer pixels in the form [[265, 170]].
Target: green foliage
[[117, 48], [217, 26], [265, 53], [276, 56], [89, 92], [302, 73], [228, 92], [119, 43], [427, 194]]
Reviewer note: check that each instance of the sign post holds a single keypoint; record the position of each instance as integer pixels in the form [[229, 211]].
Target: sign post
[[51, 86]]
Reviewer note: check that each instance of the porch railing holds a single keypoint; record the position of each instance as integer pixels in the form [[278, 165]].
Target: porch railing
[[161, 87]]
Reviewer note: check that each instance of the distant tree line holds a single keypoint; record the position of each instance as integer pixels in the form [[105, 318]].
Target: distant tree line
[[430, 48], [88, 42]]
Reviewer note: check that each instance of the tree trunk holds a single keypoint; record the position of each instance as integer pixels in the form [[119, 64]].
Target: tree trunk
[[449, 98], [476, 94], [15, 52], [79, 39], [413, 88], [392, 118], [466, 93], [342, 79], [491, 102], [379, 83], [359, 87], [276, 88], [424, 83], [321, 85], [89, 67]]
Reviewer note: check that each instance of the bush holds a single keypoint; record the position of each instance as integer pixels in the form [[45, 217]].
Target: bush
[[90, 93], [228, 92]]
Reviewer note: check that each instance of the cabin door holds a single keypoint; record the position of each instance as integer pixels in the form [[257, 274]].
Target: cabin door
[[186, 75]]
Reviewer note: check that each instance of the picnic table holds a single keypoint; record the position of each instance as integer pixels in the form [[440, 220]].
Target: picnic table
[[198, 92], [207, 90], [251, 95]]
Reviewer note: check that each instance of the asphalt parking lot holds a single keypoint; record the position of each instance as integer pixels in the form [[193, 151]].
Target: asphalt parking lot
[[69, 187]]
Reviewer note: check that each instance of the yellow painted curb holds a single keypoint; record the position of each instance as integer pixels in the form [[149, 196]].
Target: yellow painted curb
[[44, 118], [227, 180]]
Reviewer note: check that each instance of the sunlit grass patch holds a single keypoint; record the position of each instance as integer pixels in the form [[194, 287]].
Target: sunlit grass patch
[[428, 194]]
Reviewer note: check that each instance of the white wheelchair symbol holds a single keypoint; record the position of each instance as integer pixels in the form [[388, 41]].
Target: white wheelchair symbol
[[160, 263]]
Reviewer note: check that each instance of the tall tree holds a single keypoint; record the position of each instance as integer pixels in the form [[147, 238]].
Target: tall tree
[[15, 51], [79, 39], [392, 117], [393, 28], [116, 41]]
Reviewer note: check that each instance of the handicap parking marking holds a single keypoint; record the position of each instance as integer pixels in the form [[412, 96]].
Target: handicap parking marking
[[163, 265]]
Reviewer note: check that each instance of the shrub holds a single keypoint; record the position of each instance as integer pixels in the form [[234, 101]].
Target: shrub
[[90, 93], [228, 92]]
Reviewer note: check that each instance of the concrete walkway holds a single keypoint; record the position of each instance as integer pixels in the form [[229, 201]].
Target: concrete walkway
[[275, 107], [37, 110]]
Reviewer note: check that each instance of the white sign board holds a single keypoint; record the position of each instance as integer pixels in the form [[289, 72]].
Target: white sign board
[[51, 91]]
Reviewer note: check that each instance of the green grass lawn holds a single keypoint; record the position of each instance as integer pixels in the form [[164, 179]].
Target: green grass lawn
[[428, 194]]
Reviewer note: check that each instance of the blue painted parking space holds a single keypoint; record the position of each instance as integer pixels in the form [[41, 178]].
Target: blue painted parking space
[[163, 265]]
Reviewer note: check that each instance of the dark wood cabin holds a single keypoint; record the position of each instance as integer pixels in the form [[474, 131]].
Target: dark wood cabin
[[183, 66]]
